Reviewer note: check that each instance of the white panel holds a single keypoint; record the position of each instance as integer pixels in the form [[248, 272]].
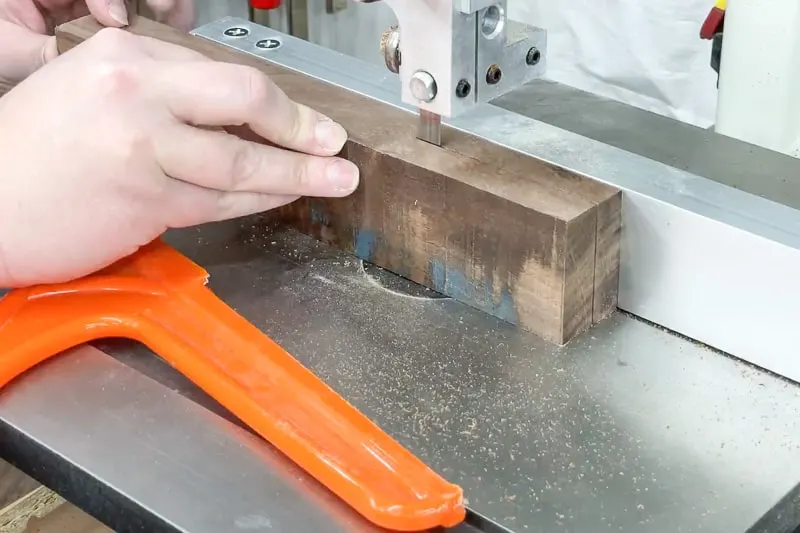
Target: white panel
[[760, 75]]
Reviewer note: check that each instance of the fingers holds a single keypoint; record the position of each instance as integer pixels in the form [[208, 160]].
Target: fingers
[[22, 51], [111, 13], [164, 51], [114, 42], [223, 94], [189, 205], [218, 160], [177, 13]]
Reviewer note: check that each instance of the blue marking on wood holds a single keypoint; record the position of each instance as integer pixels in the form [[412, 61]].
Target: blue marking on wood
[[365, 244], [477, 293]]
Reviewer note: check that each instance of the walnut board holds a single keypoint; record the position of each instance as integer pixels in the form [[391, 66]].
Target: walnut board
[[507, 233]]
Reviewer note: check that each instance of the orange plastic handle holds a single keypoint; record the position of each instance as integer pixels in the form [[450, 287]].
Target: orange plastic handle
[[159, 298]]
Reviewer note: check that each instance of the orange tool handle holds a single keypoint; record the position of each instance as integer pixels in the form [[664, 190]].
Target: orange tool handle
[[158, 297]]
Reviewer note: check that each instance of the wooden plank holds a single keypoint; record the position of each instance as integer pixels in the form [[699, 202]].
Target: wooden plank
[[18, 516], [14, 484], [509, 234], [22, 498], [26, 506], [66, 519], [609, 233]]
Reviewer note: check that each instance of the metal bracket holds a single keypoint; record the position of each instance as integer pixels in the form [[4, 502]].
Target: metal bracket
[[469, 48]]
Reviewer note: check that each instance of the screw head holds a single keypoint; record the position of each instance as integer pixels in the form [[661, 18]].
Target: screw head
[[268, 44], [237, 32], [390, 48], [463, 89], [493, 75], [423, 86], [533, 56]]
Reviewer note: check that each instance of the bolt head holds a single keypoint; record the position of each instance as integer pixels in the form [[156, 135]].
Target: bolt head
[[390, 48], [493, 75], [237, 32], [268, 44], [423, 86], [463, 89], [533, 57]]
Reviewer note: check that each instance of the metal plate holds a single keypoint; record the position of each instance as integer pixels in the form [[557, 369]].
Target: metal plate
[[628, 429]]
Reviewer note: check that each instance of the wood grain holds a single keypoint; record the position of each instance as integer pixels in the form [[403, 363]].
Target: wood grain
[[21, 514], [526, 241], [66, 519], [14, 484]]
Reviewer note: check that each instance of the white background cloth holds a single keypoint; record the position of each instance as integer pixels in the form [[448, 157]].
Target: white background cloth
[[644, 53]]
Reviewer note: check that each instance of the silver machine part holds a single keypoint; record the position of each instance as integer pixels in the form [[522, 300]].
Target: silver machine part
[[429, 128], [390, 46], [423, 86], [468, 49], [464, 40]]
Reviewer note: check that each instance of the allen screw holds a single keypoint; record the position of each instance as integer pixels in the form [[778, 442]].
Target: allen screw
[[463, 89], [493, 75], [533, 57]]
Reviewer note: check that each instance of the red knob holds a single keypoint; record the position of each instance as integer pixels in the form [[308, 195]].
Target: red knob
[[265, 4]]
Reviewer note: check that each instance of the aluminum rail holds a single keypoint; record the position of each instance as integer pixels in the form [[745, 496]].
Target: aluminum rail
[[700, 258]]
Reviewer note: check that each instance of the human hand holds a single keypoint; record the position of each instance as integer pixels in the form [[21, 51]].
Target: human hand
[[26, 41], [121, 138]]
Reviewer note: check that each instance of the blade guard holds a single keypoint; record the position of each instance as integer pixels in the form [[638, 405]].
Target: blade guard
[[158, 297]]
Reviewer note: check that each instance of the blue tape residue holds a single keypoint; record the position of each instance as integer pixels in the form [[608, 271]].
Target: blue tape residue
[[365, 244], [438, 276], [477, 293], [318, 214]]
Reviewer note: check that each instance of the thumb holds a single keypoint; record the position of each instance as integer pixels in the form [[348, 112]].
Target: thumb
[[111, 13], [23, 51]]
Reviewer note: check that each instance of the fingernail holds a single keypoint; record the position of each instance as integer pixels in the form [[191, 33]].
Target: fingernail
[[117, 11], [330, 135], [343, 175]]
